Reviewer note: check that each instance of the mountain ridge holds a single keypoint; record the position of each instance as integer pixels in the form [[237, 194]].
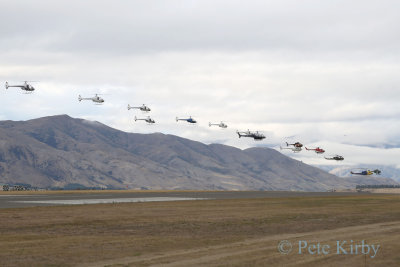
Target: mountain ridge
[[60, 150]]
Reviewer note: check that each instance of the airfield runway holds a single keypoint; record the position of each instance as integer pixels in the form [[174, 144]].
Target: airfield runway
[[20, 200]]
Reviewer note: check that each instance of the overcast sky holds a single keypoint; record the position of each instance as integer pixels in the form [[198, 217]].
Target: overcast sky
[[325, 73]]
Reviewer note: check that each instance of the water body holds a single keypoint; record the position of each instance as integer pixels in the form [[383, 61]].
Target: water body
[[106, 200], [32, 200]]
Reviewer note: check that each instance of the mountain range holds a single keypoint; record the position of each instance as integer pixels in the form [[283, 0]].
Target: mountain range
[[58, 151]]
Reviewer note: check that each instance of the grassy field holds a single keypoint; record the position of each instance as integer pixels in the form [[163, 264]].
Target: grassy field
[[242, 232]]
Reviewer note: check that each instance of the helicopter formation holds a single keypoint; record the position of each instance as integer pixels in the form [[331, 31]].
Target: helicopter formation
[[145, 109], [295, 147]]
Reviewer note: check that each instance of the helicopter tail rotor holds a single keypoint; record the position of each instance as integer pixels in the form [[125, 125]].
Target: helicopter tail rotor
[[135, 118], [209, 124], [129, 107], [176, 119], [79, 98], [6, 85]]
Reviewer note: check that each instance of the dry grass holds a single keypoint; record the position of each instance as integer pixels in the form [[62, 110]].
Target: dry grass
[[382, 190], [216, 232]]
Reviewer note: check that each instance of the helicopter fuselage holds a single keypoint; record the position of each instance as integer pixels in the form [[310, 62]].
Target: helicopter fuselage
[[297, 144], [317, 150], [25, 87], [148, 120], [95, 99], [98, 99], [337, 158], [363, 173], [191, 120], [256, 136], [294, 149]]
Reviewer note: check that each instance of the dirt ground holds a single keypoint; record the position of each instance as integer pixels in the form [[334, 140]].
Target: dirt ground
[[243, 232]]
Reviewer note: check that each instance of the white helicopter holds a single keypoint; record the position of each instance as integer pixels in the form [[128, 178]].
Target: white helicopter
[[143, 108], [221, 125], [26, 87], [97, 99], [295, 149], [148, 119]]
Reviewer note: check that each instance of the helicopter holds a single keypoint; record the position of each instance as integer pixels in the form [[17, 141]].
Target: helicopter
[[190, 120], [26, 86], [95, 99], [221, 125], [367, 172], [254, 135], [336, 157], [317, 150], [297, 144], [295, 149], [143, 108], [148, 119]]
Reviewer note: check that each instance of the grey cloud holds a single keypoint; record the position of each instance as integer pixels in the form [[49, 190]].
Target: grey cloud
[[129, 27]]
